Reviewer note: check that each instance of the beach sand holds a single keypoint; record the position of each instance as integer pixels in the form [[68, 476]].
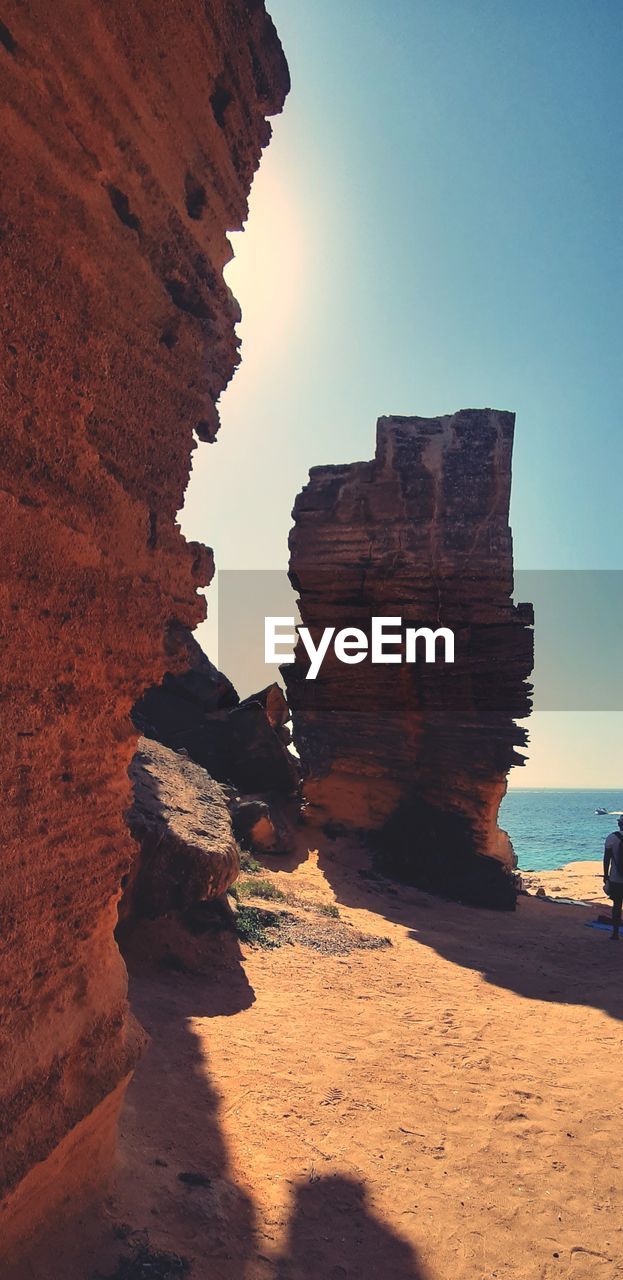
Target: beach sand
[[445, 1108], [580, 881]]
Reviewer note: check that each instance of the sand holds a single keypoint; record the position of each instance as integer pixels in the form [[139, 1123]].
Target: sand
[[579, 881], [447, 1107]]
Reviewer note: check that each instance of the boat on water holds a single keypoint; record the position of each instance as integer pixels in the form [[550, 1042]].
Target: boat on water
[[601, 811]]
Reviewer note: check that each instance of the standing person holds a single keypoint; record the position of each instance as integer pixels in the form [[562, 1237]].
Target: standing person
[[613, 876]]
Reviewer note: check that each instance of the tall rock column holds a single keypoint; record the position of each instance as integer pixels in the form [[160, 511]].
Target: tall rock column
[[419, 753], [130, 136]]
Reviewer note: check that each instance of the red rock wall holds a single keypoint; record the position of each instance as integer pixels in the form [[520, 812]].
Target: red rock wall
[[129, 138], [417, 753]]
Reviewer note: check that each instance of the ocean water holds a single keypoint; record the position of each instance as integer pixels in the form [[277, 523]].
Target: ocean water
[[550, 828]]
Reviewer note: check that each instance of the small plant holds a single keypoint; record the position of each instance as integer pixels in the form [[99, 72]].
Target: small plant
[[260, 889], [145, 1263], [247, 863], [328, 909], [252, 923]]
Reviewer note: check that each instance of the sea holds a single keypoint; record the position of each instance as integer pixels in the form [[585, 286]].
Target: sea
[[550, 828]]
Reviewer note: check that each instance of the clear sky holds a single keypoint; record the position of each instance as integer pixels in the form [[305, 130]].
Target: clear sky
[[437, 225]]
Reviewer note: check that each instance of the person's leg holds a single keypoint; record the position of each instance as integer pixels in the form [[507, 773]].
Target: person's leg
[[617, 905]]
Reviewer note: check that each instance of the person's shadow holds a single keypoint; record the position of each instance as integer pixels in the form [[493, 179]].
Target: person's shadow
[[333, 1235]]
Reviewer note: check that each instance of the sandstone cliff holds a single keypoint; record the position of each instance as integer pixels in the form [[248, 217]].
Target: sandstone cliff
[[130, 135], [417, 753]]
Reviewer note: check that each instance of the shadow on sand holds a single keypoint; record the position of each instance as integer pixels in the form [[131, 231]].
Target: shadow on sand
[[175, 1167], [333, 1235], [176, 1172], [542, 951], [177, 1188]]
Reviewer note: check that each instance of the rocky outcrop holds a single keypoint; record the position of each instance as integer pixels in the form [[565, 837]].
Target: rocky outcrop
[[191, 689], [256, 755], [196, 708], [418, 753], [254, 826], [180, 820], [130, 137]]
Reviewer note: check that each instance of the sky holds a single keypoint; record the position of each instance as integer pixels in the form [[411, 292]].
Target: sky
[[437, 225]]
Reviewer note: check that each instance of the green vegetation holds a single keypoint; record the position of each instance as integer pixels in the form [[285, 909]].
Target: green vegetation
[[251, 924], [247, 863], [260, 889], [327, 909]]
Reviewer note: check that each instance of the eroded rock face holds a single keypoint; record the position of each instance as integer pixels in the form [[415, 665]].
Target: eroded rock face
[[180, 819], [254, 826], [420, 753], [191, 692], [130, 136], [196, 708]]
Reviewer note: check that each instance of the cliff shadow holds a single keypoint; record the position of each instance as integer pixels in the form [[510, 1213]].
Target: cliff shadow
[[175, 1193], [174, 1198], [542, 951], [175, 1187], [176, 1184], [333, 1234]]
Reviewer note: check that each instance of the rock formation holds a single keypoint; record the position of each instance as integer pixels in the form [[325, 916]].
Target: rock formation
[[417, 753], [195, 707], [255, 827], [180, 820], [129, 140]]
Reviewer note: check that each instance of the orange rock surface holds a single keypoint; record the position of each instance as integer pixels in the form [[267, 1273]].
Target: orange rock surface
[[180, 819], [418, 753], [129, 139]]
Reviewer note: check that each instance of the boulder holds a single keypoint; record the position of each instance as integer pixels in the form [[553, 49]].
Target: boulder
[[191, 690], [258, 759], [181, 822], [196, 708], [275, 704], [254, 827]]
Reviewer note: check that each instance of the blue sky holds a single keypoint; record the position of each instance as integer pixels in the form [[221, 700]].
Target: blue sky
[[436, 225]]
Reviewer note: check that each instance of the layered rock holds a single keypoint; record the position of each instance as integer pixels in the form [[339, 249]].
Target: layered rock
[[130, 136], [417, 753], [180, 820]]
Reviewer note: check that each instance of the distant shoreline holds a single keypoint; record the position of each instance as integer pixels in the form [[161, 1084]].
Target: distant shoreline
[[597, 791]]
